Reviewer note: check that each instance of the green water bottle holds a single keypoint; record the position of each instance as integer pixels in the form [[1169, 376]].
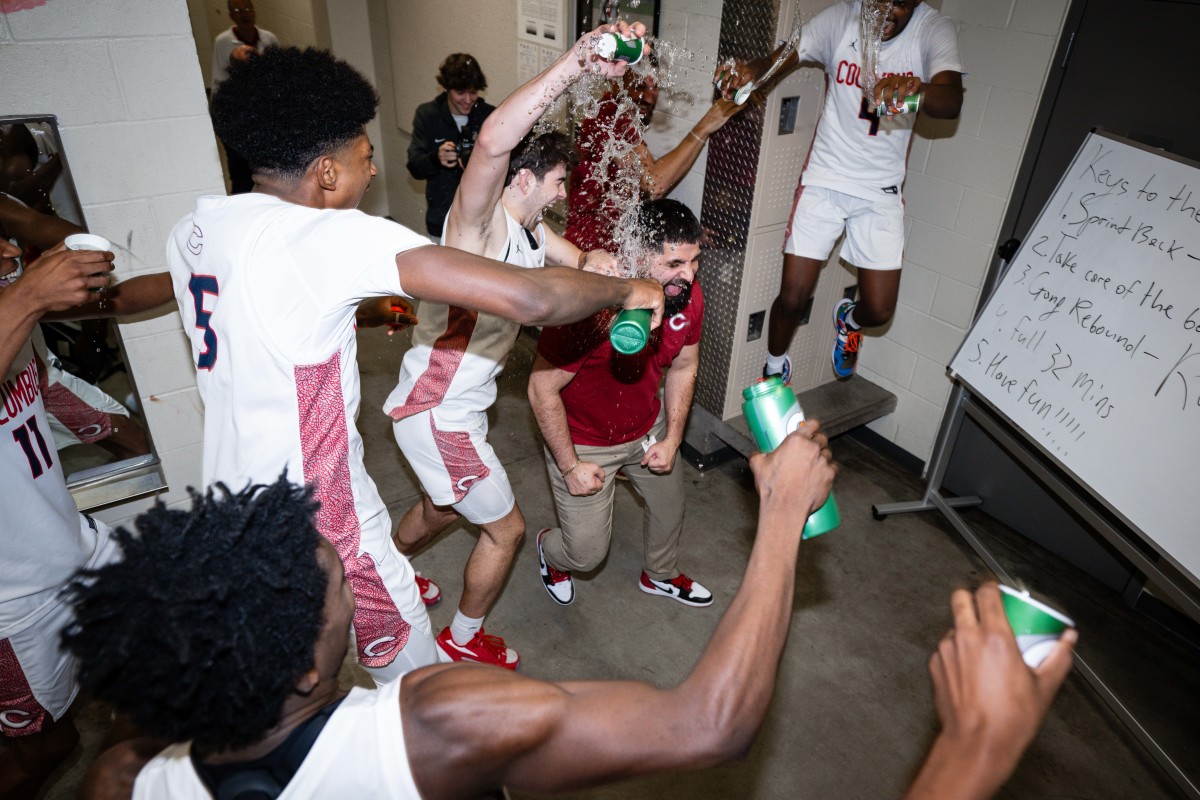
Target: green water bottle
[[614, 47], [772, 412], [630, 331]]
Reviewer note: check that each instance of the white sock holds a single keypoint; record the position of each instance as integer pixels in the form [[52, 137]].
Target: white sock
[[775, 364], [464, 628]]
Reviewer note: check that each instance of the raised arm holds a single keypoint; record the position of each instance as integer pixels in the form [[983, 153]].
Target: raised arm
[[58, 280], [43, 231], [470, 729], [547, 296], [483, 180], [130, 296], [660, 175]]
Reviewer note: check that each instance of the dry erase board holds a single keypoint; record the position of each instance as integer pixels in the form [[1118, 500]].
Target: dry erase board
[[1090, 345]]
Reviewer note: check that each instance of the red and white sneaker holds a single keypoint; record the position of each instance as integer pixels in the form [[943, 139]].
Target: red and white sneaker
[[557, 581], [681, 588], [483, 649], [431, 593]]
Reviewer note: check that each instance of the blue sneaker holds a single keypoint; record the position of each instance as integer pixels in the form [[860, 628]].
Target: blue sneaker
[[785, 376], [845, 348]]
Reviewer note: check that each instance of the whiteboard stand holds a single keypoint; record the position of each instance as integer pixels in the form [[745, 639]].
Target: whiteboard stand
[[961, 405]]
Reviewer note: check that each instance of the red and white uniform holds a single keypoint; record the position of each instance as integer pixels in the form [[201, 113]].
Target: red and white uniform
[[359, 753], [268, 292], [852, 152], [447, 383], [43, 541]]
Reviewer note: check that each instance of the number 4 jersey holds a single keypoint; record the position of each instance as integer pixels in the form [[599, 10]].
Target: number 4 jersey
[[855, 151], [42, 542]]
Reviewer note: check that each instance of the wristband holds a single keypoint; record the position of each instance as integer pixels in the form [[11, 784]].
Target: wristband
[[571, 468], [697, 138]]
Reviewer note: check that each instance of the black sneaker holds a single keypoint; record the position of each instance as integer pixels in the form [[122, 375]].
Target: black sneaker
[[558, 582], [681, 588]]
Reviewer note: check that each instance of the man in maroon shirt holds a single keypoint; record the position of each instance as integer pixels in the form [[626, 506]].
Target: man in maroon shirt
[[600, 412]]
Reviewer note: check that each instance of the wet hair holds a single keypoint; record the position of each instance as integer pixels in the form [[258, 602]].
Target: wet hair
[[540, 154], [201, 631], [666, 220], [287, 107], [461, 72]]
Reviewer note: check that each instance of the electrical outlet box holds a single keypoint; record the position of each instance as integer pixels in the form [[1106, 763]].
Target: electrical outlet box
[[788, 111], [756, 325]]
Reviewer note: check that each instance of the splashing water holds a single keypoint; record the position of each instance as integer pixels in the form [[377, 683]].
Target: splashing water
[[617, 173], [873, 21]]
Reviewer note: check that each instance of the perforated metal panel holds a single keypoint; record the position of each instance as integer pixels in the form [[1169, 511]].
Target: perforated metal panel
[[747, 31], [752, 172]]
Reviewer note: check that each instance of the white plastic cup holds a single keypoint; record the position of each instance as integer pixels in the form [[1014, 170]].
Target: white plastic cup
[[87, 241], [1036, 626]]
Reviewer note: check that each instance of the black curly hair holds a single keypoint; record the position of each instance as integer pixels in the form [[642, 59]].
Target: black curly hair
[[202, 629], [666, 220], [287, 107], [460, 72], [540, 154]]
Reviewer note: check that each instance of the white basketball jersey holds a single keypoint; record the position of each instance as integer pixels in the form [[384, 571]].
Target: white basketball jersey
[[42, 542], [268, 292], [359, 753], [456, 354], [854, 151]]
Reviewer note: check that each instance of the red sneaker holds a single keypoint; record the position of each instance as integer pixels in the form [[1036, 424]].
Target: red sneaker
[[483, 649], [431, 593]]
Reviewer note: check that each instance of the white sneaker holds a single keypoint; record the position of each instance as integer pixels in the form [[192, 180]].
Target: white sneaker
[[681, 588]]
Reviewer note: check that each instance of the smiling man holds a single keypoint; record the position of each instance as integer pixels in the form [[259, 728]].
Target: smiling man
[[269, 284], [444, 131], [448, 378], [600, 412]]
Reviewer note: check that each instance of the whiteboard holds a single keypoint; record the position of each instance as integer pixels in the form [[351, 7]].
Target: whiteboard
[[1090, 345]]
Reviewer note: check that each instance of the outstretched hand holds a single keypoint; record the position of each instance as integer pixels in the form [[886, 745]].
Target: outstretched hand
[[585, 48], [989, 702], [62, 278], [798, 474]]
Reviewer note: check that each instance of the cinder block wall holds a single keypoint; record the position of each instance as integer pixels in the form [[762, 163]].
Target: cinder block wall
[[123, 78]]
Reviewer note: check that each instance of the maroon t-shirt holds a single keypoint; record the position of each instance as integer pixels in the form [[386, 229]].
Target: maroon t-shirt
[[593, 209], [613, 398]]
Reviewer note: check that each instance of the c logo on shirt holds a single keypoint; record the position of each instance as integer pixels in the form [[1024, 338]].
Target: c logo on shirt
[[464, 483], [195, 242], [6, 719], [677, 322], [379, 647]]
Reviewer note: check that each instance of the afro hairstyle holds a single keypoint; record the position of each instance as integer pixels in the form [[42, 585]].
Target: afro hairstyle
[[287, 107], [540, 154], [201, 631]]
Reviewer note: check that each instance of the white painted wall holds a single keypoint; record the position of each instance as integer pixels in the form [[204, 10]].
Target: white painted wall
[[124, 80], [956, 195]]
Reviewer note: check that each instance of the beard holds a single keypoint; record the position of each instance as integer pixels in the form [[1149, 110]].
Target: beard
[[673, 304]]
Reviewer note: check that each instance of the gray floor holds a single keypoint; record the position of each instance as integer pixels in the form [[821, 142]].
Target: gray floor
[[852, 714]]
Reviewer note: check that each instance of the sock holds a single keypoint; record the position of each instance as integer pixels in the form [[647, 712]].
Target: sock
[[775, 364], [849, 319], [464, 628]]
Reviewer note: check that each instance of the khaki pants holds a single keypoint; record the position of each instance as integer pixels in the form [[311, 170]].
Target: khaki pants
[[583, 540]]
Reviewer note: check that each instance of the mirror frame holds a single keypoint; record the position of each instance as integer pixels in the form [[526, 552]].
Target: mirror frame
[[118, 481]]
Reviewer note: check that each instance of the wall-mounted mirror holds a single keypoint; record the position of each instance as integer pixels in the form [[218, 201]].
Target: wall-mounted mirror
[[91, 400]]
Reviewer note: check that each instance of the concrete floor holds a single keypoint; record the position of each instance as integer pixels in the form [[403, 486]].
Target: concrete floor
[[852, 714]]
